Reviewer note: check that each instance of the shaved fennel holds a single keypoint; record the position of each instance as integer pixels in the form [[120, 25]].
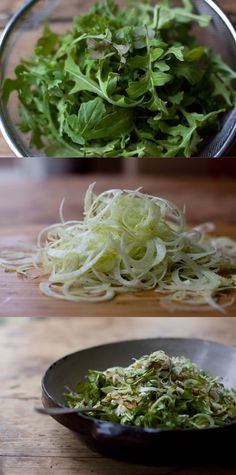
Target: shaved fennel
[[130, 241]]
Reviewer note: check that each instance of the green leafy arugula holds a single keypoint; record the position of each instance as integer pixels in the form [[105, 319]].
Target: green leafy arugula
[[123, 82]]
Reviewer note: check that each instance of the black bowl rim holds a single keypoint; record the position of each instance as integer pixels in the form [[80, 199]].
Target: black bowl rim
[[22, 152], [135, 429]]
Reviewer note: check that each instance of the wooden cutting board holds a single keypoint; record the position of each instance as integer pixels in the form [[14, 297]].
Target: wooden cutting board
[[22, 296], [25, 208]]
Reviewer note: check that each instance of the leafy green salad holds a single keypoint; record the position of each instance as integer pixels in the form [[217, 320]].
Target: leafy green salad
[[156, 391], [124, 82]]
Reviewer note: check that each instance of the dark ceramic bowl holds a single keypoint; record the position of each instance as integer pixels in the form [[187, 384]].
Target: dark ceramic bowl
[[147, 446], [26, 26]]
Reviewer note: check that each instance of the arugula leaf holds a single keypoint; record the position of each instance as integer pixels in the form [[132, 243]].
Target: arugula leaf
[[165, 17], [47, 43], [160, 79], [90, 113], [176, 51], [138, 88], [93, 122], [82, 81]]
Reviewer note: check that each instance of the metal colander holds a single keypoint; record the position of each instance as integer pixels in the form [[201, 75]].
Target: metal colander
[[25, 28]]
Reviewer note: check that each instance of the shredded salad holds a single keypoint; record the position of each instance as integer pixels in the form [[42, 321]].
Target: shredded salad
[[130, 241], [156, 391]]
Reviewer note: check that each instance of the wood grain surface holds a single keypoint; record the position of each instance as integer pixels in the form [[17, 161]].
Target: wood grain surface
[[26, 208], [32, 444], [9, 7]]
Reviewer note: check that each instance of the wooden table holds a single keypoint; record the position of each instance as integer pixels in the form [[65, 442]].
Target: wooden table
[[32, 444], [26, 208], [8, 7]]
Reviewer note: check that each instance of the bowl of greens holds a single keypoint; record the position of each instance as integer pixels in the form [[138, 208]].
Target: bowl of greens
[[118, 80], [158, 401]]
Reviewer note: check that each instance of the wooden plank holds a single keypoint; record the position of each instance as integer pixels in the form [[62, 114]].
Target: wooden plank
[[208, 198], [36, 205], [61, 442], [73, 466], [14, 5], [33, 444]]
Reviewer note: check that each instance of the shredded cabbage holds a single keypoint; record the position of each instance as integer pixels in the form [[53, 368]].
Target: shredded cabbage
[[130, 241]]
